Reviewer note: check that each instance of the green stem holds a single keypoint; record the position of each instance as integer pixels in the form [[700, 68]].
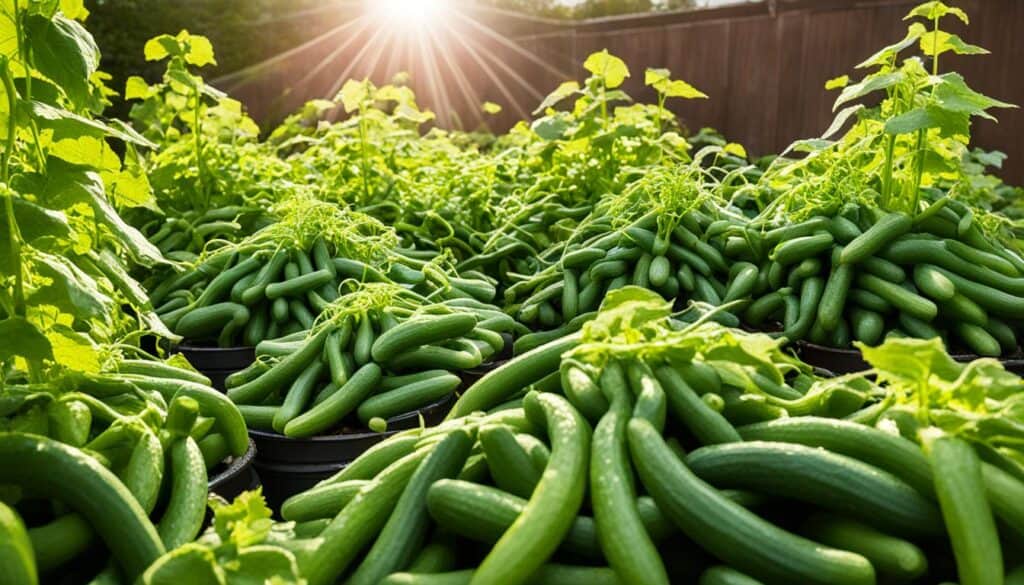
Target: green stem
[[197, 132], [890, 145], [13, 234], [364, 162], [918, 171]]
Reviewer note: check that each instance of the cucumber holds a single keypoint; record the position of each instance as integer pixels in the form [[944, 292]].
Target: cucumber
[[203, 322], [1005, 494], [502, 383], [978, 340], [282, 374], [969, 520], [706, 424], [625, 542], [885, 230], [359, 522], [886, 451], [483, 514], [833, 299], [828, 480], [88, 488], [868, 326], [570, 296], [933, 283], [962, 309], [510, 465], [582, 257], [331, 411], [17, 564], [365, 338], [660, 270], [895, 559], [798, 249], [407, 398], [731, 532], [183, 517], [376, 459], [421, 331], [883, 269], [60, 541], [722, 575], [549, 513], [899, 297], [742, 284], [324, 501], [407, 524], [299, 395], [870, 301]]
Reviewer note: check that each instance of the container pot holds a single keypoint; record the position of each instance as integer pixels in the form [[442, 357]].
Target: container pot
[[289, 466], [217, 363], [236, 476]]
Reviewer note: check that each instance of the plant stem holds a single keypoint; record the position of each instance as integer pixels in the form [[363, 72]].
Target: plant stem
[[890, 145], [13, 234], [197, 132]]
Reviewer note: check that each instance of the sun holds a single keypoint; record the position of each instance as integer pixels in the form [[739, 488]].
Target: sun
[[409, 13]]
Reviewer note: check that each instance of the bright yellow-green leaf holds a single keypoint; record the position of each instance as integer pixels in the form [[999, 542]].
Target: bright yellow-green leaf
[[354, 93], [736, 149], [200, 50], [74, 9], [680, 89], [136, 88], [608, 67], [491, 108], [74, 350], [939, 42], [654, 76], [564, 90], [156, 47], [837, 82], [936, 9]]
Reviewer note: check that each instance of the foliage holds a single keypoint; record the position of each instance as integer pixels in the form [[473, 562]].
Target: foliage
[[65, 247]]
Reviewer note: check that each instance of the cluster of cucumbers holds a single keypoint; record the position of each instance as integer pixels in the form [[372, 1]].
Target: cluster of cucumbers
[[120, 457], [376, 363], [633, 470], [245, 294]]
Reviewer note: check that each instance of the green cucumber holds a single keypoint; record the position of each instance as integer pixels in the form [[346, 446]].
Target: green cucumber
[[88, 488], [407, 524], [731, 532], [548, 515]]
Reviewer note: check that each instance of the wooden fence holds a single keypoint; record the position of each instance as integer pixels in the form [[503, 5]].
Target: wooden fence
[[764, 64]]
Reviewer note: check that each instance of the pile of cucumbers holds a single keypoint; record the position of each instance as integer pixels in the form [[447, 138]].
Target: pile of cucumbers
[[635, 471], [380, 351], [184, 236], [680, 264], [863, 274], [245, 294], [119, 457]]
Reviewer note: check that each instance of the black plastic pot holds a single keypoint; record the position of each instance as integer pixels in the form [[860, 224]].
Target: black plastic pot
[[290, 466], [846, 361], [237, 476], [217, 363]]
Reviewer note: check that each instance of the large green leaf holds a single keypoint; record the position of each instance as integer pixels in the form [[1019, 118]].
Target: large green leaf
[[67, 124], [65, 185], [19, 338], [68, 288], [66, 53], [954, 95], [869, 84], [564, 90], [607, 67], [949, 123]]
